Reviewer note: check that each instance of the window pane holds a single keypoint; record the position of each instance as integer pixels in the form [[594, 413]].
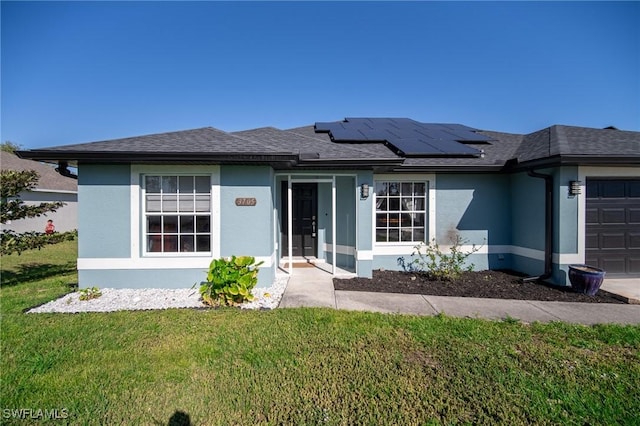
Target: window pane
[[170, 243], [381, 188], [405, 220], [171, 224], [418, 203], [405, 235], [418, 234], [381, 204], [406, 188], [394, 219], [381, 219], [186, 224], [394, 203], [169, 184], [152, 184], [154, 224], [202, 224], [203, 203], [186, 243], [394, 188], [418, 219], [153, 203], [381, 234], [186, 203], [186, 184], [203, 184], [394, 235], [203, 243], [154, 243], [407, 203], [418, 188], [169, 203]]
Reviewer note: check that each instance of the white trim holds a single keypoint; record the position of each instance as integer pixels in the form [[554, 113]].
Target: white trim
[[341, 249], [333, 224], [54, 191], [364, 255], [158, 262], [585, 172]]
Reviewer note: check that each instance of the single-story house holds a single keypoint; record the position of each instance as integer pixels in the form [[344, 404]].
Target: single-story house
[[51, 187], [356, 194]]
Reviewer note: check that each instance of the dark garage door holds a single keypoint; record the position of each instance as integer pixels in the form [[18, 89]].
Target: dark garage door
[[613, 225]]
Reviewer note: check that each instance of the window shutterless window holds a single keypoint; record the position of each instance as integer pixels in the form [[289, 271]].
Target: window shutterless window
[[177, 213], [400, 211]]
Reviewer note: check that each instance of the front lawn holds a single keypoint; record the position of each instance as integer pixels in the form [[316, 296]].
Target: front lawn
[[300, 366]]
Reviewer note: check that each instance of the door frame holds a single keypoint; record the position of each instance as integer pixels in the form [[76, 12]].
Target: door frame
[[283, 205], [325, 178]]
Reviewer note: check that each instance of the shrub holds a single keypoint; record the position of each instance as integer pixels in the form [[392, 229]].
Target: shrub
[[90, 293], [431, 260], [230, 281]]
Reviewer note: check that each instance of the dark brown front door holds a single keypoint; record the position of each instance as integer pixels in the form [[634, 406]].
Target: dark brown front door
[[305, 212], [612, 238]]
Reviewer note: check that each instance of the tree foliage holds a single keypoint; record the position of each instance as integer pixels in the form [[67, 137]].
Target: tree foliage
[[9, 146], [12, 184]]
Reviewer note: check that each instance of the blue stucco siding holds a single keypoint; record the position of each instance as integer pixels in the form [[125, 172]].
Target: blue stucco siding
[[246, 230], [566, 211], [527, 211], [104, 211], [473, 206]]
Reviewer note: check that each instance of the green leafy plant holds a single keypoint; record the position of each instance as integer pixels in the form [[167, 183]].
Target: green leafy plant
[[230, 281], [90, 293], [430, 259]]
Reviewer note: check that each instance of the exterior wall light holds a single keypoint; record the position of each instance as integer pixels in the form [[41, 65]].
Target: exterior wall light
[[364, 191], [574, 187]]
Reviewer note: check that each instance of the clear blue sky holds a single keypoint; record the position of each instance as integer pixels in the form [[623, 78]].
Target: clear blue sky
[[84, 71]]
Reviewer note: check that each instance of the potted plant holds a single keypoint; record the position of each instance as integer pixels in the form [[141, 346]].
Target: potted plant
[[586, 279]]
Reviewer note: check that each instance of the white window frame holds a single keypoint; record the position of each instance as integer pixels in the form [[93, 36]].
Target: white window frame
[[139, 254], [401, 247], [178, 213]]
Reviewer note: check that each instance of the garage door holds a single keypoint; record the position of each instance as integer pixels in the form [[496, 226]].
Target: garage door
[[613, 225]]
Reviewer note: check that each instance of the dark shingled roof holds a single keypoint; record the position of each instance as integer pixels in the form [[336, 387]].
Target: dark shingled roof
[[49, 180], [304, 147]]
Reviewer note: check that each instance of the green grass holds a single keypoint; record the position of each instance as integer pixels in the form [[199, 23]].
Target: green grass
[[303, 366]]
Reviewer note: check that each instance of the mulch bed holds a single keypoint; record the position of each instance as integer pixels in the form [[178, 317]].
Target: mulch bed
[[486, 284]]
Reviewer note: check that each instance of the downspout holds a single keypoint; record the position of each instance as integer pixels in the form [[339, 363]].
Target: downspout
[[548, 226]]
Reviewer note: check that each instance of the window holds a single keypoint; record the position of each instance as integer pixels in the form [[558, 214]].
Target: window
[[400, 211], [177, 213]]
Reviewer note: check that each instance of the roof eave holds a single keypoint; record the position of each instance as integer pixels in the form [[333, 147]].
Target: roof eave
[[574, 160]]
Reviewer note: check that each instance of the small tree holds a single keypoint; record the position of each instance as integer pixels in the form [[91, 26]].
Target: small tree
[[9, 146], [13, 208]]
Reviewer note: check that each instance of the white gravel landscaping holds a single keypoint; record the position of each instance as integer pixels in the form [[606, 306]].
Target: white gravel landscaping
[[152, 298]]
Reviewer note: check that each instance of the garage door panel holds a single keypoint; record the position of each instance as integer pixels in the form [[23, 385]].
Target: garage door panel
[[613, 189], [615, 216], [612, 241], [613, 265], [612, 225], [592, 216]]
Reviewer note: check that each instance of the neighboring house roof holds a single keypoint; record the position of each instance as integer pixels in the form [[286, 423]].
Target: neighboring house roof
[[49, 180], [305, 147]]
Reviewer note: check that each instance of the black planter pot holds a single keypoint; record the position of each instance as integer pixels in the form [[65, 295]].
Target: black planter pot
[[586, 279]]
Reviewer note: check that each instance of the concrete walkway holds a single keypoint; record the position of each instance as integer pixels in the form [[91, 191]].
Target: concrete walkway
[[310, 287]]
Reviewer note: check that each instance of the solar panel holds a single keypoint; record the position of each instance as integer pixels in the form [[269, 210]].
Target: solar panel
[[407, 137]]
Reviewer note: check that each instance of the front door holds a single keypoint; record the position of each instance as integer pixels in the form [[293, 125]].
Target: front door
[[305, 212]]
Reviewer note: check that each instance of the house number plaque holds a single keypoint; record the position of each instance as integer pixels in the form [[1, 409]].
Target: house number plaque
[[246, 202]]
